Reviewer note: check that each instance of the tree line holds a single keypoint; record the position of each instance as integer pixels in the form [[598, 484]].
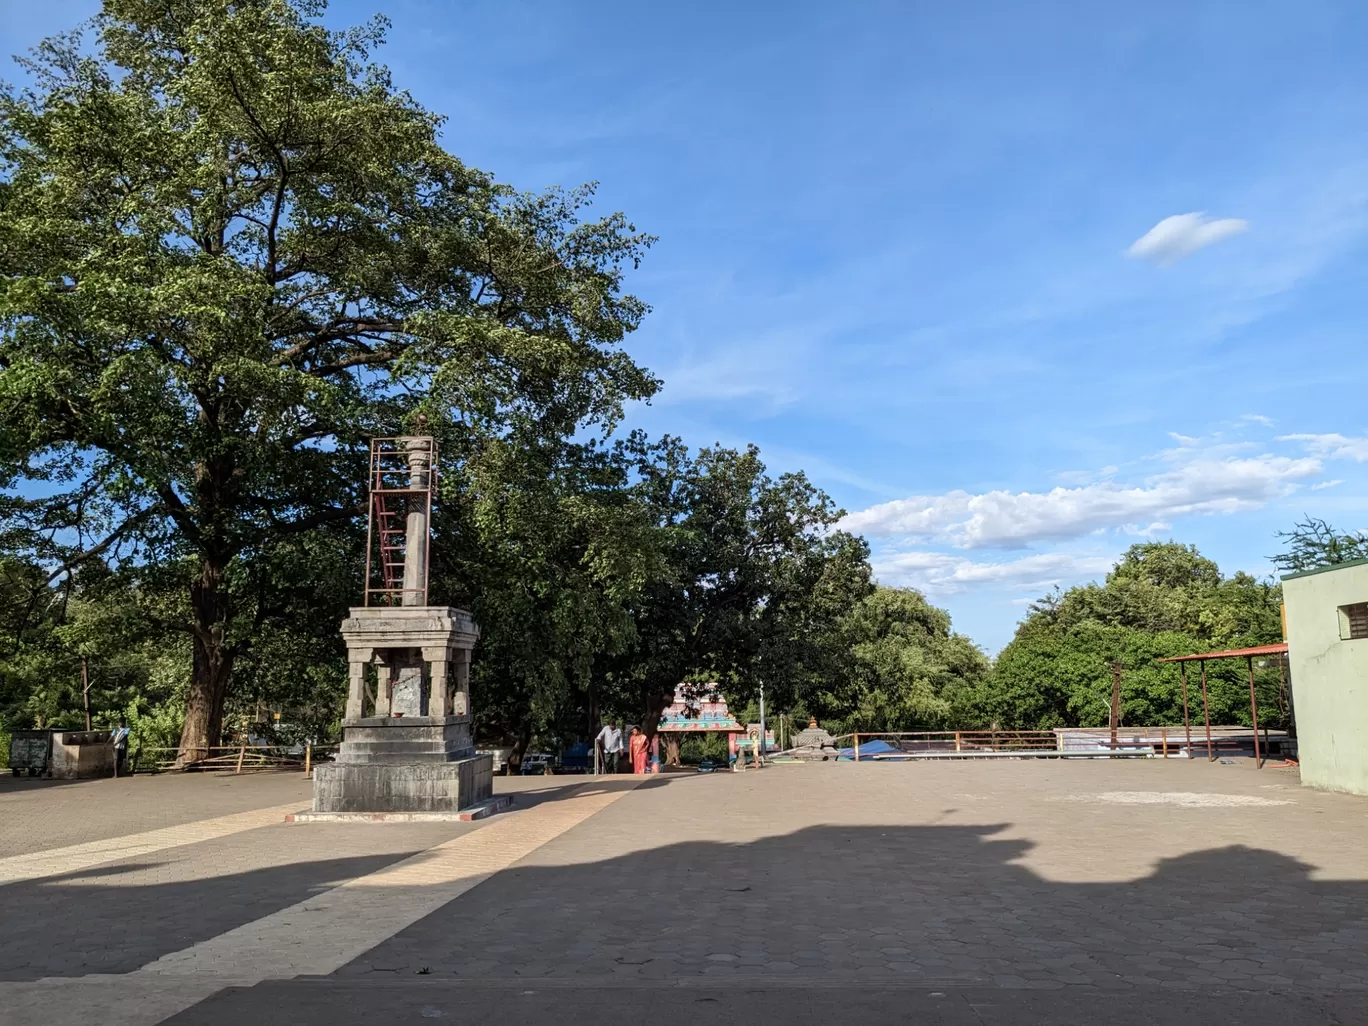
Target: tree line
[[232, 251]]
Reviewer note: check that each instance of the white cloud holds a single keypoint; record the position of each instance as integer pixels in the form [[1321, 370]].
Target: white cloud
[[1199, 482], [1258, 418], [941, 573], [1334, 447], [1147, 530], [1327, 484], [1181, 234]]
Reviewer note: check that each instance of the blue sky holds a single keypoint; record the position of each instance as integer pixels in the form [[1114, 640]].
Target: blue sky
[[921, 251]]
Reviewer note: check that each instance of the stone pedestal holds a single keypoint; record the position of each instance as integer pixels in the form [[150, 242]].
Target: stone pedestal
[[406, 741]]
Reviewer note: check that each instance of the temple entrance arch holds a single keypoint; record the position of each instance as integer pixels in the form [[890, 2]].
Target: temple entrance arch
[[697, 709]]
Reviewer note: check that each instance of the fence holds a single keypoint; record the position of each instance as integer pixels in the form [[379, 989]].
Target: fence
[[1065, 742], [235, 758]]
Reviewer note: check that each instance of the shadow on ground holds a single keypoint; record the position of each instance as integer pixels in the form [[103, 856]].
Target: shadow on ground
[[87, 923], [928, 924], [933, 903], [339, 1003], [931, 924]]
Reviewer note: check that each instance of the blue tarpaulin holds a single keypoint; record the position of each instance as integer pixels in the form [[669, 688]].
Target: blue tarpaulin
[[871, 748]]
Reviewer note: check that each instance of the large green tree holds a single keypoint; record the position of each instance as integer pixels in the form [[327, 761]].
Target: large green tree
[[749, 579], [905, 669], [230, 251], [1160, 599]]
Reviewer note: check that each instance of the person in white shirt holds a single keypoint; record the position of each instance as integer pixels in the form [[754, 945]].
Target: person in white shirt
[[610, 741]]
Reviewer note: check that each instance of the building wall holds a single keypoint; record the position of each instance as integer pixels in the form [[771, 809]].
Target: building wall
[[1329, 677]]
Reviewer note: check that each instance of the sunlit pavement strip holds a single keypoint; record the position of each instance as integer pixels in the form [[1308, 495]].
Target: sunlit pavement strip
[[60, 861], [315, 936], [323, 933], [1185, 799]]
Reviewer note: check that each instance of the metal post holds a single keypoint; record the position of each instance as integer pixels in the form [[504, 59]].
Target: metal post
[[1206, 713], [308, 758], [1187, 727], [1115, 718], [1254, 714], [85, 689], [857, 747], [1163, 739], [370, 525], [760, 744]]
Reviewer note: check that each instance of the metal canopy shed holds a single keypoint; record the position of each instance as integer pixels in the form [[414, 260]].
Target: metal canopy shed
[[1248, 654]]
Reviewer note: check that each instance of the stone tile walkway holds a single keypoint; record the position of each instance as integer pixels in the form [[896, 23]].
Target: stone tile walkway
[[1167, 885]]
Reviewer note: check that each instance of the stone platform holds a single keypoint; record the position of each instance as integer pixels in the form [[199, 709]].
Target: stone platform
[[404, 764], [468, 814]]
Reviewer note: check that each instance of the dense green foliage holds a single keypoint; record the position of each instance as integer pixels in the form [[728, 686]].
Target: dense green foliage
[[906, 670], [230, 251], [1161, 599]]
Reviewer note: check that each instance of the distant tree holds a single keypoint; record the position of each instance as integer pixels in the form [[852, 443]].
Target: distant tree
[[751, 579], [906, 669], [1313, 543], [1160, 599]]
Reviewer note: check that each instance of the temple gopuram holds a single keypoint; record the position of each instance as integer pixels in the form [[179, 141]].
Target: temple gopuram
[[698, 709]]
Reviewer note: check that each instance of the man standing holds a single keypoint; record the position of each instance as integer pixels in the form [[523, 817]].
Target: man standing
[[119, 735], [610, 741]]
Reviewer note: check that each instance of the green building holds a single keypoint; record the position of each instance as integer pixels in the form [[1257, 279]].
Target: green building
[[1327, 651]]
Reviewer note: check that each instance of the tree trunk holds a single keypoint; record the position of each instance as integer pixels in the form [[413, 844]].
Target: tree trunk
[[515, 757], [211, 667], [653, 708], [672, 751]]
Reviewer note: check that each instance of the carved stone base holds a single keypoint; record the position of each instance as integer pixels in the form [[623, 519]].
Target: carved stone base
[[403, 787], [395, 739]]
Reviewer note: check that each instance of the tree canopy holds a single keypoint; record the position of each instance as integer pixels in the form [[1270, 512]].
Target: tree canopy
[[1160, 599], [230, 251]]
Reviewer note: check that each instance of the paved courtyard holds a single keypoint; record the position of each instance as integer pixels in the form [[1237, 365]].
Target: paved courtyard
[[976, 892]]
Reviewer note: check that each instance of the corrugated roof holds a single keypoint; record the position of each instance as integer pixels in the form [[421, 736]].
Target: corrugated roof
[[1230, 653]]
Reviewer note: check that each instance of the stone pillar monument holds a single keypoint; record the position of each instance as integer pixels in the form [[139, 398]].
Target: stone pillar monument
[[406, 736]]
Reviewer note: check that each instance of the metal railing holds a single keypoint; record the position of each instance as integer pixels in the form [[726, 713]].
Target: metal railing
[[233, 758], [1063, 742]]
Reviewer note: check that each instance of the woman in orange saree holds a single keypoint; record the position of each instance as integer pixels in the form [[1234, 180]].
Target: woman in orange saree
[[637, 746]]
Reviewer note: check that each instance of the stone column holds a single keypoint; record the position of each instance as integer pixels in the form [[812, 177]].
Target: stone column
[[461, 697], [439, 698], [356, 682], [384, 686], [416, 528]]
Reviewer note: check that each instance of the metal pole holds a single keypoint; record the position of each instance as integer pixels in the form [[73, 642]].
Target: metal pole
[[85, 689], [1115, 719], [1187, 727], [1254, 714], [760, 744], [857, 747], [1206, 713], [370, 517]]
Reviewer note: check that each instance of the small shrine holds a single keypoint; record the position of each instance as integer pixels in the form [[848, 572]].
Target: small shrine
[[698, 709], [813, 742]]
